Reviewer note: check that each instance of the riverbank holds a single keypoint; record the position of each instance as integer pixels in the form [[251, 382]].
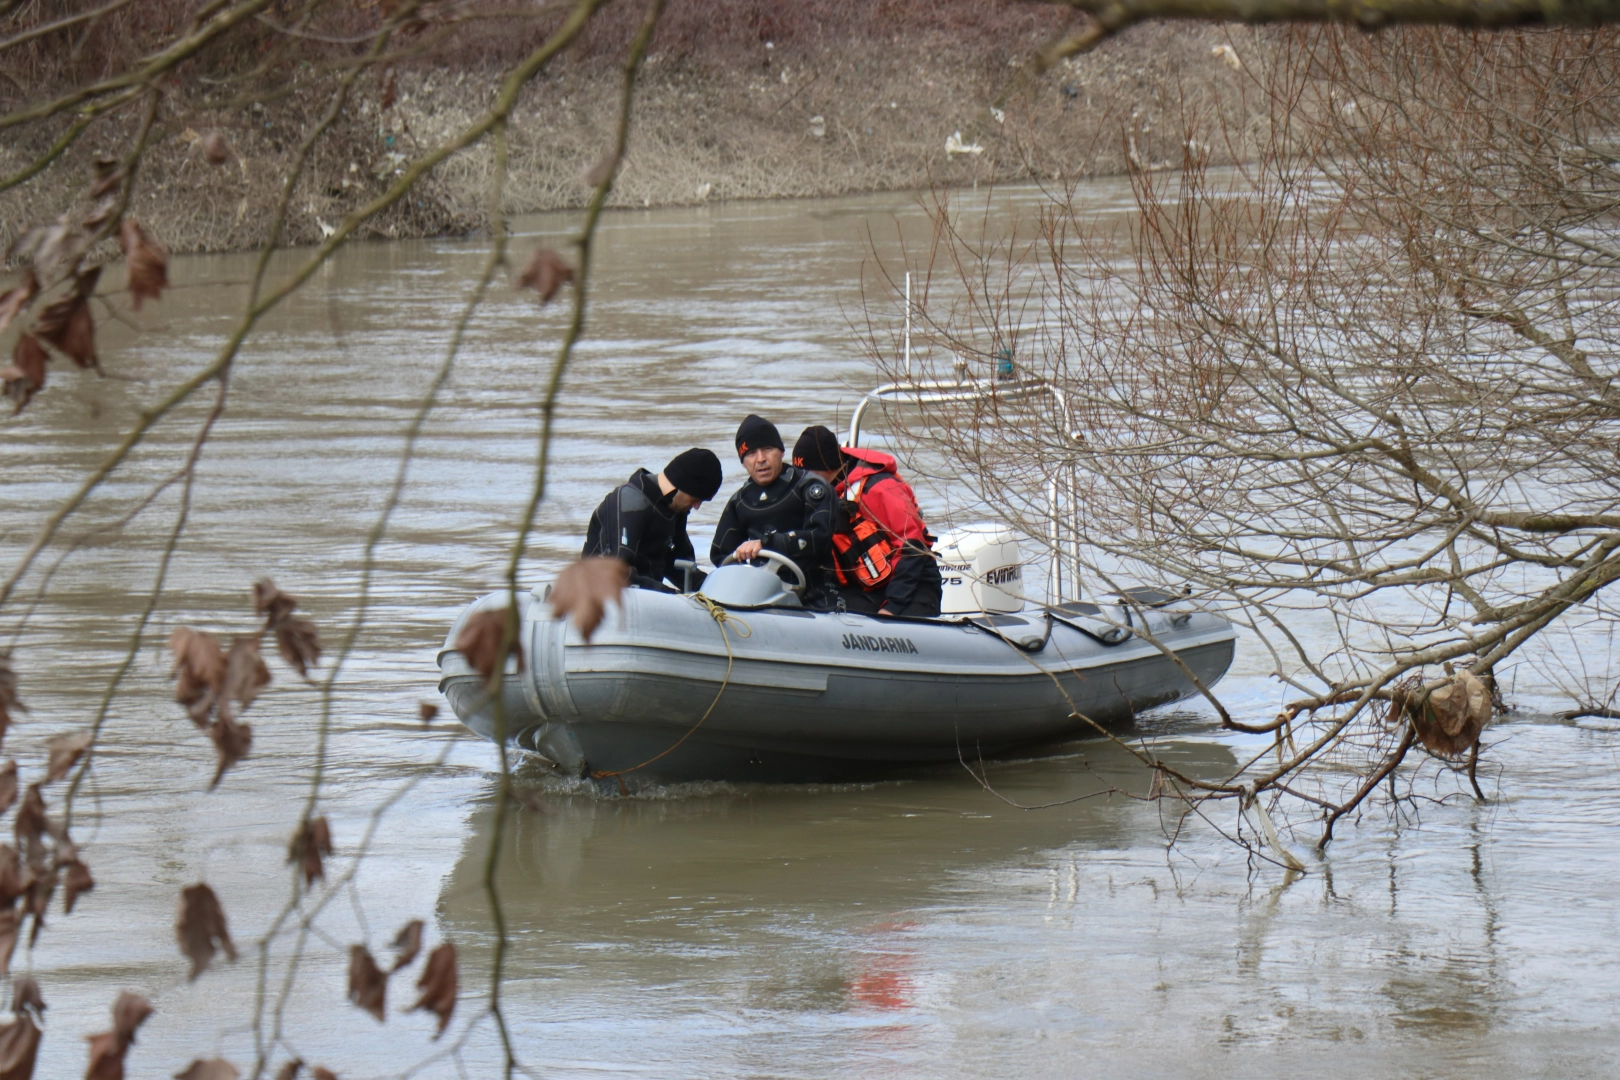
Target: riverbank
[[754, 121]]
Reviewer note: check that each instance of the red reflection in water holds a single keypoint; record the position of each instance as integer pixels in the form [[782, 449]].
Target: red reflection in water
[[883, 985]]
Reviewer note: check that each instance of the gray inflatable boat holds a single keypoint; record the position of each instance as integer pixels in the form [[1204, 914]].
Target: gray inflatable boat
[[742, 683]]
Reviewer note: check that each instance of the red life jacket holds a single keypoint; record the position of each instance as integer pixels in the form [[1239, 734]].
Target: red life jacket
[[867, 553]]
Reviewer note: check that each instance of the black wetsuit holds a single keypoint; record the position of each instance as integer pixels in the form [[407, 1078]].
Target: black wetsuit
[[794, 515], [635, 523]]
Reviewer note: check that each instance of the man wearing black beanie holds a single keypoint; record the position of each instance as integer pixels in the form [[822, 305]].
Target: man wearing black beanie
[[779, 508], [643, 521]]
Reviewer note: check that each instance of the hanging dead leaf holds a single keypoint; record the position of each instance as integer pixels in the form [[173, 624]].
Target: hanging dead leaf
[[13, 881], [106, 1056], [312, 841], [108, 176], [65, 751], [429, 711], [289, 1070], [76, 879], [26, 997], [232, 741], [199, 672], [130, 1011], [438, 985], [201, 928], [245, 673], [19, 1045], [215, 150], [15, 298], [148, 262], [390, 92], [52, 248], [407, 943], [271, 602], [68, 325], [30, 823], [367, 983], [42, 883], [299, 644], [546, 273], [480, 642], [8, 938], [211, 1069], [8, 692], [25, 375], [8, 784], [584, 589]]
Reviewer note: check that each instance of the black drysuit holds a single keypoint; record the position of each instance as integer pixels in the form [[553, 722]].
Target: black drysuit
[[794, 515], [635, 523]]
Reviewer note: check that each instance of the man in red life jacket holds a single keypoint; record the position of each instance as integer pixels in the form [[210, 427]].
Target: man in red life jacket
[[882, 551]]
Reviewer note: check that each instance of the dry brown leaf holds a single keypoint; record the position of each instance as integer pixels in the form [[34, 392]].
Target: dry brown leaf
[[407, 943], [25, 375], [323, 1073], [15, 298], [8, 938], [52, 248], [215, 150], [76, 879], [8, 692], [312, 840], [199, 672], [148, 262], [26, 997], [245, 673], [390, 92], [41, 885], [271, 602], [201, 928], [106, 1056], [289, 1070], [108, 177], [30, 823], [8, 784], [13, 882], [211, 1069], [428, 710], [367, 983], [546, 273], [68, 324], [584, 589], [130, 1011], [299, 644], [480, 641], [19, 1045], [232, 741], [65, 751], [438, 985]]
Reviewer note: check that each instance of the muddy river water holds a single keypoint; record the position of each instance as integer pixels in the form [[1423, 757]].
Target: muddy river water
[[912, 928]]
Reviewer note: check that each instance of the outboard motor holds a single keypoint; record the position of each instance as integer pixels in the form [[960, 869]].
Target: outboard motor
[[982, 569]]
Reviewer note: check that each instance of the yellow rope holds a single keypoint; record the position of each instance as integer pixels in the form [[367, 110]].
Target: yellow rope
[[723, 619]]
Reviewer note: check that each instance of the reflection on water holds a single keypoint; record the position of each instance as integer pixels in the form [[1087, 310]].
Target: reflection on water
[[916, 927]]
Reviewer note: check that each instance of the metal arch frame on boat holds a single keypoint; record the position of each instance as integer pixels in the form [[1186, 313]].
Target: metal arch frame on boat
[[935, 392]]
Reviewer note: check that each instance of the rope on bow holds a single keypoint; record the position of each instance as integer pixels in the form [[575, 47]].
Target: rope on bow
[[723, 619]]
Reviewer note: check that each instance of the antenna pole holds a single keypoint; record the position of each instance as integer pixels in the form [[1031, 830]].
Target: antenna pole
[[908, 325]]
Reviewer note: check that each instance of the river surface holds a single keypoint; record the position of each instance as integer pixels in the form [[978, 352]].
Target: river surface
[[919, 927]]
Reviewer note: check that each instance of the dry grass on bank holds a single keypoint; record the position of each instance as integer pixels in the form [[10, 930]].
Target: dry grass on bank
[[727, 109]]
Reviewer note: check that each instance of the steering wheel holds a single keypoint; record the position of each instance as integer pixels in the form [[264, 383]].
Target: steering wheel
[[780, 560]]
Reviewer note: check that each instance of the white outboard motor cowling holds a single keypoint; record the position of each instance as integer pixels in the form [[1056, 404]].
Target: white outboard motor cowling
[[982, 568]]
